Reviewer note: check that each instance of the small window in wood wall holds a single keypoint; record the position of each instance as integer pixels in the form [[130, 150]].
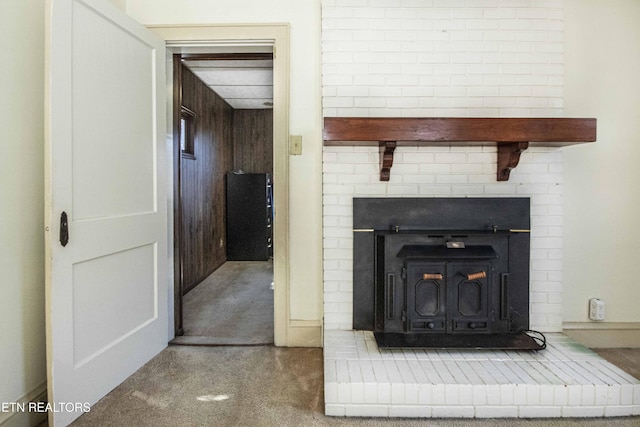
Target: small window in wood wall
[[187, 133]]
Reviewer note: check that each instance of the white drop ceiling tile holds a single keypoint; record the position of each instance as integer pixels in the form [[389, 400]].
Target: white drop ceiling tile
[[235, 76], [244, 84], [252, 104], [246, 92], [248, 63]]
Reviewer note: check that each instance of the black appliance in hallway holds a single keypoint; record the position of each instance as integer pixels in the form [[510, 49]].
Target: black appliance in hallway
[[249, 217]]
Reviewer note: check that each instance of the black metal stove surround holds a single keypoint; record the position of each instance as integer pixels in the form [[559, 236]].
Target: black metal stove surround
[[443, 272]]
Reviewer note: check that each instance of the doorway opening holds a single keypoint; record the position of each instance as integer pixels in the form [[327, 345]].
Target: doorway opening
[[223, 139], [242, 39]]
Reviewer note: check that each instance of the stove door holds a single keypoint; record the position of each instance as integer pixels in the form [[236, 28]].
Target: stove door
[[468, 288], [426, 296], [448, 297]]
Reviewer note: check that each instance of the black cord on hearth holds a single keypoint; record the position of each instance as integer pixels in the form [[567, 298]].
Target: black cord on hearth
[[538, 337]]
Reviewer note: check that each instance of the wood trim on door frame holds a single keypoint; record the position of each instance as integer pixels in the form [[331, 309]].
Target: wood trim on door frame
[[177, 208]]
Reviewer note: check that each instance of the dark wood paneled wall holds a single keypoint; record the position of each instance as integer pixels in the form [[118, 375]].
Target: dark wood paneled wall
[[202, 182], [253, 141]]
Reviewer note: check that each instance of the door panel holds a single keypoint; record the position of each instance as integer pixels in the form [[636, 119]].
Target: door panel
[[106, 168], [119, 273], [99, 147]]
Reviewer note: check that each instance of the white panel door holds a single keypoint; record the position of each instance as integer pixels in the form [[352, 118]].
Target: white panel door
[[106, 169]]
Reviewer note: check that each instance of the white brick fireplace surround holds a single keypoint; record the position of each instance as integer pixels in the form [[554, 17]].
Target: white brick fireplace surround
[[452, 58]]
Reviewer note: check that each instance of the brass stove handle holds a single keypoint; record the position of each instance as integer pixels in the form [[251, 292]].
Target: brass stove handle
[[478, 275], [432, 276]]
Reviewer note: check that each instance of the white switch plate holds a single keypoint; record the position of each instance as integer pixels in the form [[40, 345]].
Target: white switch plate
[[295, 145]]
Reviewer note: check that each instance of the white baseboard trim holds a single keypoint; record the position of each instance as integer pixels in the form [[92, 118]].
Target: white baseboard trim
[[26, 418], [604, 334], [304, 333]]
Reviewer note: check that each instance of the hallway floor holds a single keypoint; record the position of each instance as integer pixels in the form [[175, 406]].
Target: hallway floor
[[233, 306]]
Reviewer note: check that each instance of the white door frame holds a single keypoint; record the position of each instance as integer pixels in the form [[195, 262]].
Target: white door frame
[[261, 35]]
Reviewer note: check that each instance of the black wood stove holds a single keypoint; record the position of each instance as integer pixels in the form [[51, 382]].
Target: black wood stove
[[443, 272]]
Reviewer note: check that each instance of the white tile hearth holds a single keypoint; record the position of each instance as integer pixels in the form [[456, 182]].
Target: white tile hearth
[[564, 380]]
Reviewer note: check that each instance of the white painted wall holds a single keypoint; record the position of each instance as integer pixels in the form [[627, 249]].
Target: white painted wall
[[602, 180], [121, 4], [22, 340], [305, 119]]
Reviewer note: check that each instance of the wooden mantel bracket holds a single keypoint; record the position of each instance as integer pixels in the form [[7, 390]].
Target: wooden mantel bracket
[[508, 157], [386, 159], [511, 135]]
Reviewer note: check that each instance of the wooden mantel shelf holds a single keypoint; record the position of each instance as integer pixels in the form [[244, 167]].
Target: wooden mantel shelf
[[511, 135]]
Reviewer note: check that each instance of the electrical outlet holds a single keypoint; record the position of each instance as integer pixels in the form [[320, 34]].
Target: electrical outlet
[[222, 243], [596, 309], [295, 145]]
